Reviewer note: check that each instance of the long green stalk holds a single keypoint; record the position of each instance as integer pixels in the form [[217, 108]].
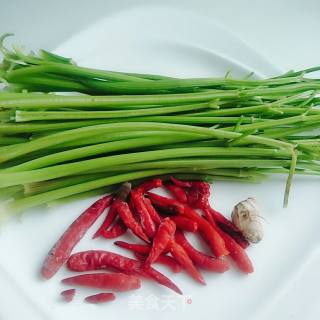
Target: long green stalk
[[196, 164], [72, 70], [11, 152], [153, 87], [284, 132], [277, 123], [76, 115], [298, 111], [15, 178], [122, 135], [44, 186], [46, 197], [38, 187], [48, 83], [13, 128], [11, 140], [290, 178], [236, 111], [55, 101], [98, 149]]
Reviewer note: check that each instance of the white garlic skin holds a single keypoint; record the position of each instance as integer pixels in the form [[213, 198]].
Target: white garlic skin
[[246, 217]]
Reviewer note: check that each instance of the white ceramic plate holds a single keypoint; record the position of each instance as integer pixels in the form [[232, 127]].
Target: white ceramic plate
[[165, 40]]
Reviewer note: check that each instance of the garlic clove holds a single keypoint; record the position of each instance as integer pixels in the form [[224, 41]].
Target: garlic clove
[[246, 217]]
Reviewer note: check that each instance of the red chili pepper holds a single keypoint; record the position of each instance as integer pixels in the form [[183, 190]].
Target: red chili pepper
[[117, 230], [168, 205], [184, 223], [139, 248], [62, 249], [198, 194], [98, 259], [103, 281], [210, 234], [111, 216], [152, 211], [178, 192], [161, 279], [149, 184], [181, 183], [100, 297], [182, 257], [122, 194], [146, 221], [164, 234], [68, 295], [214, 240], [237, 253], [227, 226], [128, 219], [209, 216], [131, 206], [199, 258], [167, 261]]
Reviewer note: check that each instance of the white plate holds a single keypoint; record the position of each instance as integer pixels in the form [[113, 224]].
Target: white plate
[[162, 39]]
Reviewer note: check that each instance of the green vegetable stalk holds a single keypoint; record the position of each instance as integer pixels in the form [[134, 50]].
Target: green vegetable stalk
[[116, 126]]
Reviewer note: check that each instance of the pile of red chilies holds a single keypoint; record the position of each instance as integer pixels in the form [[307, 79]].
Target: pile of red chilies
[[160, 222]]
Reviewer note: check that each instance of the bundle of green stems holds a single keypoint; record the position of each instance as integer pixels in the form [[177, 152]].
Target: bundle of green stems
[[68, 132]]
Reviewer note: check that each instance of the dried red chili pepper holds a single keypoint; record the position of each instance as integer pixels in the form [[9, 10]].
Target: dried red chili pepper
[[131, 206], [167, 261], [198, 195], [122, 193], [128, 219], [160, 278], [184, 260], [168, 205], [99, 259], [103, 281], [227, 226], [184, 223], [110, 218], [61, 251], [237, 253], [199, 258], [178, 192], [214, 240], [238, 237], [164, 234], [68, 295], [197, 192], [100, 297], [181, 183], [152, 211], [149, 184], [139, 248], [146, 221], [208, 216], [210, 234], [117, 230]]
